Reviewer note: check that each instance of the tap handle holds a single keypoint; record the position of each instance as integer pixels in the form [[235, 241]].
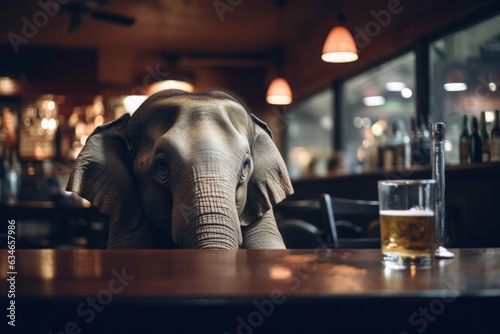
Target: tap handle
[[437, 130]]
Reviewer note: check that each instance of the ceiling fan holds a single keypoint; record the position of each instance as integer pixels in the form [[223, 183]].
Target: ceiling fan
[[78, 8]]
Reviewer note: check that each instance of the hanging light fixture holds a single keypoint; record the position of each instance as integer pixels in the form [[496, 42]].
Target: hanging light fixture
[[176, 78], [339, 45], [372, 96], [455, 80], [279, 91]]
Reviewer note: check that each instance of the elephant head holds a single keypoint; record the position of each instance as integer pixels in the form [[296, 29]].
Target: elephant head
[[187, 171]]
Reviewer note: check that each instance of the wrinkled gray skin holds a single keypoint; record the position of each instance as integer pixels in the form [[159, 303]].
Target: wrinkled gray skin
[[185, 171]]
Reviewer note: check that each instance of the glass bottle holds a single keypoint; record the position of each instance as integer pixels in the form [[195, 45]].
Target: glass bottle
[[12, 178], [414, 142], [2, 160], [485, 138], [475, 144], [406, 143], [464, 142], [401, 145], [425, 142], [388, 148], [495, 138], [382, 145]]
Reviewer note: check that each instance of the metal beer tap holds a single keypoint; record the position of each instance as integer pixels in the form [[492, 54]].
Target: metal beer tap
[[437, 130]]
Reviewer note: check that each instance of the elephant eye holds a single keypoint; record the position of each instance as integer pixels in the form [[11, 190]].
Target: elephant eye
[[245, 168], [246, 163], [162, 167]]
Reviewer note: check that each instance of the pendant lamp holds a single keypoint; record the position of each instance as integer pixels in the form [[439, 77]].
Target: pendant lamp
[[339, 45], [279, 92], [455, 80], [175, 77], [172, 83]]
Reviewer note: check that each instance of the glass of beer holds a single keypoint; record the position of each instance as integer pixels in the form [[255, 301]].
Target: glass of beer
[[407, 224]]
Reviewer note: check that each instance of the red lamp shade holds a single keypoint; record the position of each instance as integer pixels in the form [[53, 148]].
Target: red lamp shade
[[455, 80], [339, 46], [279, 92]]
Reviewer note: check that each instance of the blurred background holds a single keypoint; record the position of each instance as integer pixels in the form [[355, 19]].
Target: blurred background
[[67, 66]]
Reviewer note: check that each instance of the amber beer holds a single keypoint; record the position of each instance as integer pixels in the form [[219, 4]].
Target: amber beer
[[407, 232], [407, 222]]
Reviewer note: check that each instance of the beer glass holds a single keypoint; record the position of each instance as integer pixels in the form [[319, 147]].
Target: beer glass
[[407, 223]]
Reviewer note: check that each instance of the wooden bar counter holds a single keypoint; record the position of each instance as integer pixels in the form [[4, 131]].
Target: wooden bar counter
[[246, 291]]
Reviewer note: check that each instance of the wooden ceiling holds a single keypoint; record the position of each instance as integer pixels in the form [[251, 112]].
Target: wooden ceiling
[[199, 27], [195, 33], [224, 33]]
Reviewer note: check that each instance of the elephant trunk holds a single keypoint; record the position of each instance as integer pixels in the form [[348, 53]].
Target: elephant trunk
[[213, 231], [206, 219]]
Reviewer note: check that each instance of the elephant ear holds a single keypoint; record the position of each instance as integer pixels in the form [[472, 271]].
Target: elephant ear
[[102, 174], [269, 183]]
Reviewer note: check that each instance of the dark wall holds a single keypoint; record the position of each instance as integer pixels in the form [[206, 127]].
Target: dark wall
[[48, 70]]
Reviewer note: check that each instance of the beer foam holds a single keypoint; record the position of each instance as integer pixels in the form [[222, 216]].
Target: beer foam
[[408, 213]]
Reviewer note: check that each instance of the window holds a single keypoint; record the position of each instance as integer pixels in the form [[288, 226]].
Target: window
[[465, 79], [375, 105], [309, 136], [377, 117]]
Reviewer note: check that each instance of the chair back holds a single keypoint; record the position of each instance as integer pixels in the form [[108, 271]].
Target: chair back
[[326, 220], [307, 210], [361, 214], [299, 222]]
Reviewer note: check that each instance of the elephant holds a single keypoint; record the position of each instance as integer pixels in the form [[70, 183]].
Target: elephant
[[186, 170]]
